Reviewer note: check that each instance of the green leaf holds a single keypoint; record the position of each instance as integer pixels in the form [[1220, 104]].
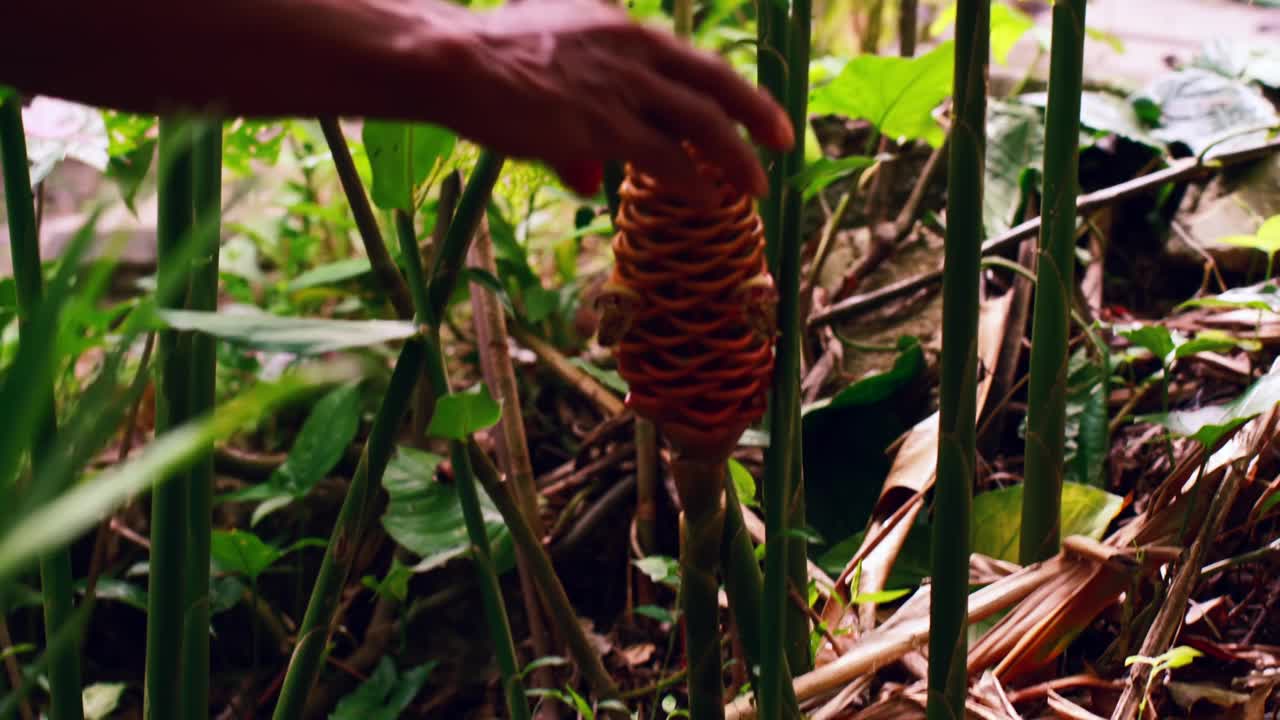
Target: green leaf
[[660, 569], [1230, 57], [1008, 26], [547, 661], [320, 444], [876, 388], [1015, 149], [395, 584], [333, 273], [880, 597], [897, 95], [1208, 424], [302, 336], [997, 517], [1266, 240], [1104, 114], [744, 483], [609, 378], [1198, 107], [653, 612], [424, 516], [458, 415], [401, 156], [1262, 296], [385, 695], [122, 591], [75, 511], [1155, 338], [243, 553], [1088, 434], [101, 699], [820, 173], [129, 169]]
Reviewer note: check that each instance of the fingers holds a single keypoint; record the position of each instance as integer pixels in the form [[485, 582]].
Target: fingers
[[684, 115], [709, 75], [582, 177]]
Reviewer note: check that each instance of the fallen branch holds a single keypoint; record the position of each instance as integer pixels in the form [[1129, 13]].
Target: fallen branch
[[1185, 169]]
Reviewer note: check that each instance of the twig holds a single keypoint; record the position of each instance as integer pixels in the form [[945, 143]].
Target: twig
[[605, 401], [1165, 626], [512, 445], [384, 267], [11, 667], [1185, 169]]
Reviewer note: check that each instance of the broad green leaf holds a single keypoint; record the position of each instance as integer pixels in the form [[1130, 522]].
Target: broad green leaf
[[997, 517], [129, 169], [820, 173], [424, 515], [458, 415], [897, 95], [1104, 114], [1015, 156], [247, 141], [1198, 108], [242, 552], [101, 699], [1230, 57], [1155, 338], [1213, 341], [401, 156], [75, 511], [744, 483], [321, 441], [303, 336], [331, 274], [385, 695], [876, 388], [1008, 26], [1207, 425], [660, 569]]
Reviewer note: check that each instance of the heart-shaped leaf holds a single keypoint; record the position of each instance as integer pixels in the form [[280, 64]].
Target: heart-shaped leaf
[[458, 415], [401, 156], [997, 517]]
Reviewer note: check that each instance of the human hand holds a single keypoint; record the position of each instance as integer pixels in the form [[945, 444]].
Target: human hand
[[576, 82]]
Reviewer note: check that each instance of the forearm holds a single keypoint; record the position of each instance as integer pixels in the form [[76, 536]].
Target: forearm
[[239, 57]]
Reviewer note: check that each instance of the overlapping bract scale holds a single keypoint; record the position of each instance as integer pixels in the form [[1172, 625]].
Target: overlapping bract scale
[[696, 347]]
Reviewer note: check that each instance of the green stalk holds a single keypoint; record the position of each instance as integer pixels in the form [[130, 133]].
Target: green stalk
[[771, 41], [744, 586], [700, 483], [355, 517], [953, 499], [1047, 387], [784, 462], [56, 576], [207, 191], [169, 508], [466, 218]]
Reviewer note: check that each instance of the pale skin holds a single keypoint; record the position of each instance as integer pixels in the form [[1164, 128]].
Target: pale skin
[[572, 83]]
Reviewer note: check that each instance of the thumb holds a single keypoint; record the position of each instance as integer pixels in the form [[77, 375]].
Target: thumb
[[584, 177]]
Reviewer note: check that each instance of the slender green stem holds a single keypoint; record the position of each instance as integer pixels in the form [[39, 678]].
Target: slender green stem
[[383, 266], [466, 218], [354, 519], [775, 33], [207, 191], [495, 612], [169, 506], [744, 586], [544, 574], [701, 486], [24, 244], [1047, 388], [953, 499], [786, 389]]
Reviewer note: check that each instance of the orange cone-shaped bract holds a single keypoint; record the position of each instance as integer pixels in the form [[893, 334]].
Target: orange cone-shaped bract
[[690, 311]]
